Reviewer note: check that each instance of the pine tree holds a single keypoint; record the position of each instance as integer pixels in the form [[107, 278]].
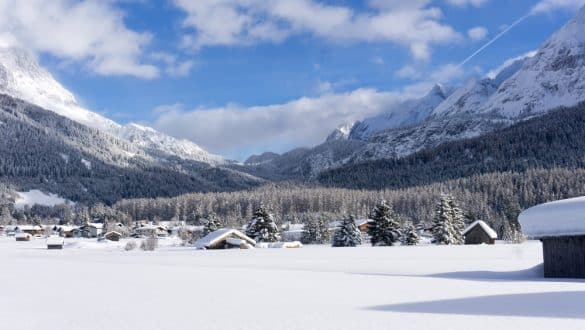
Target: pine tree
[[212, 224], [347, 234], [409, 234], [449, 222], [6, 216], [262, 228], [384, 229], [316, 231], [309, 231]]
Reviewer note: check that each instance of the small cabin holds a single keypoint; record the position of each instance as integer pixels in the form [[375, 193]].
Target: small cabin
[[479, 233], [225, 239], [34, 230], [113, 236], [23, 237], [55, 242], [560, 226]]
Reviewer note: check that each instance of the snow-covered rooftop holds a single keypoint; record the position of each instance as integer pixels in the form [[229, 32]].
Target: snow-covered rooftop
[[55, 240], [220, 234], [560, 218], [484, 226]]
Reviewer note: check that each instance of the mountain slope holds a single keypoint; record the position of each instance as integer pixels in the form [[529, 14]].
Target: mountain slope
[[22, 77], [42, 150]]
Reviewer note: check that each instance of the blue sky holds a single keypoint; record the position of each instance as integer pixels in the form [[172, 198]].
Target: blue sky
[[240, 76]]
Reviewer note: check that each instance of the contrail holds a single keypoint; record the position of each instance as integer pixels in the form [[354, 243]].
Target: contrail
[[494, 39]]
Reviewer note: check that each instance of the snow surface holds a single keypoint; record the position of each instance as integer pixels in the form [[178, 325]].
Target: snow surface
[[55, 240], [317, 287], [560, 218], [34, 196], [485, 227]]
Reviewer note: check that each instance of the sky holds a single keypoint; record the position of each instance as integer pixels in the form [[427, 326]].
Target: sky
[[240, 77]]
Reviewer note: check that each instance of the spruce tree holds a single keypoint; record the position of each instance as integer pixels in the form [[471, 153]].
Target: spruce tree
[[449, 223], [309, 231], [212, 224], [262, 228], [384, 229], [409, 234], [347, 234], [458, 223]]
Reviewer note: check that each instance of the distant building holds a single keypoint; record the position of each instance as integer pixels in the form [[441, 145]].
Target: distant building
[[89, 230], [560, 226], [113, 236], [55, 242], [23, 237], [225, 239], [479, 233], [34, 230]]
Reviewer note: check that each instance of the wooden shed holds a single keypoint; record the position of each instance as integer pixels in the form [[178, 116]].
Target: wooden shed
[[113, 236], [560, 226], [225, 239], [23, 237], [55, 242], [479, 233]]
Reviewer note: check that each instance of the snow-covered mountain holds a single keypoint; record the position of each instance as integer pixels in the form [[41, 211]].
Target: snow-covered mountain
[[22, 77]]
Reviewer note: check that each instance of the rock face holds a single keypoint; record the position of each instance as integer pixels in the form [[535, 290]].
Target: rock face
[[525, 87], [23, 78]]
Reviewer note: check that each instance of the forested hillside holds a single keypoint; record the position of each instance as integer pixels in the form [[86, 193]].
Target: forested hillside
[[554, 140]]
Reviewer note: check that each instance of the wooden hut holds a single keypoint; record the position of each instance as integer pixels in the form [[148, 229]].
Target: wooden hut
[[34, 230], [560, 226], [55, 242], [23, 237], [479, 233], [225, 239], [113, 236]]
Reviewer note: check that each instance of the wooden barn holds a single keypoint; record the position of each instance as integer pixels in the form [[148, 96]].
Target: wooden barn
[[225, 239], [560, 226], [55, 242], [23, 237], [34, 230], [113, 236], [479, 233]]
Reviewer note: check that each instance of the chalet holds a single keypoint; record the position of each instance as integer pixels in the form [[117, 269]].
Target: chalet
[[65, 230], [560, 226], [151, 230], [89, 230], [113, 236], [23, 237], [362, 224], [479, 233], [55, 242], [34, 230], [225, 239]]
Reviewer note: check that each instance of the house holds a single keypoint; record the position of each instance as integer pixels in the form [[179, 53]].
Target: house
[[292, 232], [151, 230], [89, 230], [225, 239], [34, 230], [113, 236], [479, 233], [560, 226], [23, 237], [65, 230], [363, 224], [55, 242]]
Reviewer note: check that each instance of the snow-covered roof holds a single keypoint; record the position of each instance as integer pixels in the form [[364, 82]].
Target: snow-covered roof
[[560, 218], [55, 240], [29, 227], [113, 232], [491, 233], [219, 235], [22, 235]]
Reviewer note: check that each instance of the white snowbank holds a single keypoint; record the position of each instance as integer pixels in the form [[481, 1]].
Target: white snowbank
[[34, 196], [484, 226], [280, 245], [561, 218], [55, 240]]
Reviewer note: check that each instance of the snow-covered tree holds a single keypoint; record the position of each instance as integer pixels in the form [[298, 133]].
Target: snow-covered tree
[[316, 231], [6, 216], [409, 234], [262, 228], [449, 223], [347, 234], [384, 229], [212, 224]]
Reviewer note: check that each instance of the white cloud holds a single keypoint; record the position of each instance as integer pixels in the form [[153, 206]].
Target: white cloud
[[443, 74], [545, 6], [463, 3], [306, 121], [477, 33], [90, 32], [413, 24], [172, 65]]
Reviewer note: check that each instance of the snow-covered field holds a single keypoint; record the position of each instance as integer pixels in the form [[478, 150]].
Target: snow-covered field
[[91, 285]]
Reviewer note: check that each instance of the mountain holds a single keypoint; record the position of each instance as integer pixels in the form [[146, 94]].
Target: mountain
[[22, 77], [527, 86], [43, 150]]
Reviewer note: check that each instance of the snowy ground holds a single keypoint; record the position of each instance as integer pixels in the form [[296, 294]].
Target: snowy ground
[[91, 285]]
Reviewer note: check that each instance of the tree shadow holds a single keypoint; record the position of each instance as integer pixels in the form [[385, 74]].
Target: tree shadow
[[568, 304]]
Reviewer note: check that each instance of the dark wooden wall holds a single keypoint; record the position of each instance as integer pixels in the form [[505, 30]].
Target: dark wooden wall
[[564, 257], [478, 236]]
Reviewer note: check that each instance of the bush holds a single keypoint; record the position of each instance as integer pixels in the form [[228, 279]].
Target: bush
[[149, 244], [130, 246]]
